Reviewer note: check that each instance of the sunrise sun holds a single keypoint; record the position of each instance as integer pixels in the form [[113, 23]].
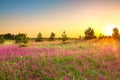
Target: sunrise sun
[[108, 30]]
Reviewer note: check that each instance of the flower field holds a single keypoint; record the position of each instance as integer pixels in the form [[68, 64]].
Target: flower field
[[75, 61]]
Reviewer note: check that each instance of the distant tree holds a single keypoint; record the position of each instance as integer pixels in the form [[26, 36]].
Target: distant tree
[[64, 37], [21, 38], [80, 37], [52, 36], [89, 33], [101, 36], [9, 36], [116, 33], [2, 39], [39, 37]]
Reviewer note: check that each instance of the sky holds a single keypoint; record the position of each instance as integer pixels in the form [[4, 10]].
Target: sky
[[46, 16]]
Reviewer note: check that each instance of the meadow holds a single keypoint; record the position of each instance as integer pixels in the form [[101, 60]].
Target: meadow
[[77, 60]]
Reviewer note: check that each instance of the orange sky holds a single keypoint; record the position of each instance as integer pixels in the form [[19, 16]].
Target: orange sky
[[73, 17]]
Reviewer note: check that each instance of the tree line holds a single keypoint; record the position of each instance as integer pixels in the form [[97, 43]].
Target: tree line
[[22, 38]]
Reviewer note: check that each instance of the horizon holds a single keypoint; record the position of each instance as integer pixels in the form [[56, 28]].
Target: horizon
[[72, 16]]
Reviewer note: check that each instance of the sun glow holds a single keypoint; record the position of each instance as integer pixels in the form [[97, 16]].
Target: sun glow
[[109, 29]]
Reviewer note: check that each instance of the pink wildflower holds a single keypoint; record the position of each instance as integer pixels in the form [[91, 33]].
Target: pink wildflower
[[102, 78], [65, 78]]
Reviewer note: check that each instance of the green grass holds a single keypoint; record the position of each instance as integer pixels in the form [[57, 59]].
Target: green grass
[[90, 60], [9, 42]]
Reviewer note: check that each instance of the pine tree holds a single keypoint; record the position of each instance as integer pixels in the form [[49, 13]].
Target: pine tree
[[89, 33]]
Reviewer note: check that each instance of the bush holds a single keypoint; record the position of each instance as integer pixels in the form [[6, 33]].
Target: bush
[[21, 38], [2, 39], [23, 45]]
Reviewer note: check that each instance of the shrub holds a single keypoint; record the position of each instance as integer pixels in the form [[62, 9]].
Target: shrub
[[2, 39], [21, 38], [23, 45]]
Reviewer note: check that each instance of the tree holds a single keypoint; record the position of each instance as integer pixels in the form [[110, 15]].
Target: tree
[[101, 36], [80, 37], [89, 33], [21, 38], [52, 36], [39, 37], [9, 36], [115, 33], [2, 39], [64, 37]]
